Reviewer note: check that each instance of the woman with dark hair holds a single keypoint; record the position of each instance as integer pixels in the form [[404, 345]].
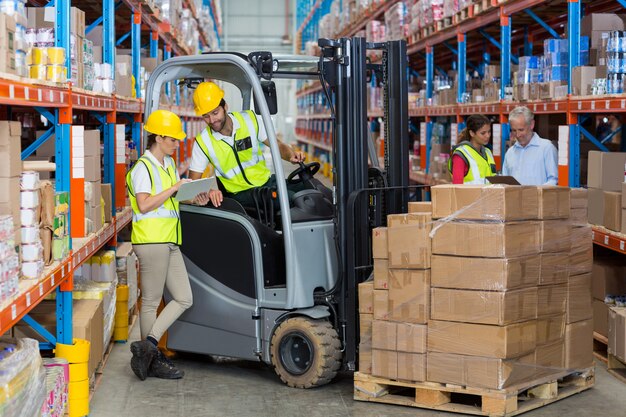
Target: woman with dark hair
[[471, 160]]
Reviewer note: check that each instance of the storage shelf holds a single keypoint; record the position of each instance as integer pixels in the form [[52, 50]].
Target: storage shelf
[[421, 177], [371, 14], [32, 292], [609, 239], [315, 143]]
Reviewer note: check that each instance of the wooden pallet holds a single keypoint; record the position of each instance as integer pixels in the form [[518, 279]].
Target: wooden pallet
[[483, 402], [600, 347], [616, 367]]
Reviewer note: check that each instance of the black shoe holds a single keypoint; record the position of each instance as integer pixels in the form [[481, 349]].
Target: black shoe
[[162, 367], [143, 354]]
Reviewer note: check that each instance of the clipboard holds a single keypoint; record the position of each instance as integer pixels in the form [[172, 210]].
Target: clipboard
[[503, 179], [189, 190]]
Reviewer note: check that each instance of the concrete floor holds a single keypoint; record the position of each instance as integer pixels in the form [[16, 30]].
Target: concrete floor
[[239, 388]]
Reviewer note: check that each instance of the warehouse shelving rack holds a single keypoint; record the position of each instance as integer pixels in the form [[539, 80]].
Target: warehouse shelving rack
[[58, 103], [496, 18]]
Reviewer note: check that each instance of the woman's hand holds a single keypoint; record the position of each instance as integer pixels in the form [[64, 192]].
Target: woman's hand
[[176, 186], [201, 199]]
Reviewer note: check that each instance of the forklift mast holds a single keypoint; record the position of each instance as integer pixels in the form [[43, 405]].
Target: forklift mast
[[364, 196]]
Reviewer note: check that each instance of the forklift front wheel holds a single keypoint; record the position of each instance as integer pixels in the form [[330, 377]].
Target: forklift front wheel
[[306, 353]]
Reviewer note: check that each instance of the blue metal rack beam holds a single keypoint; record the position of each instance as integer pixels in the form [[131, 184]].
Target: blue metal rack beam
[[573, 40], [122, 38], [543, 24], [592, 139], [108, 57], [462, 70], [500, 46], [505, 54], [40, 329], [36, 144]]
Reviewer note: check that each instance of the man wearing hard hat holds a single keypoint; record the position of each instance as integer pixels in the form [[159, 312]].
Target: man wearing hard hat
[[231, 143]]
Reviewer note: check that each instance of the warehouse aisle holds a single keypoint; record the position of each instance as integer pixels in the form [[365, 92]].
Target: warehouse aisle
[[239, 388]]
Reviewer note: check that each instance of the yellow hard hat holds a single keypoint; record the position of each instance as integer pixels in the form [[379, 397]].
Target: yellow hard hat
[[165, 123], [207, 97]]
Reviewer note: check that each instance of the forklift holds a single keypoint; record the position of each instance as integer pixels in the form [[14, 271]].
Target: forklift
[[277, 282]]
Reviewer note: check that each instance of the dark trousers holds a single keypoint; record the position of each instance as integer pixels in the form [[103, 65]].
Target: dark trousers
[[246, 198]]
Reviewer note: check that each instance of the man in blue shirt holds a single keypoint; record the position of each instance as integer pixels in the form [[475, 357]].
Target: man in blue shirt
[[531, 160]]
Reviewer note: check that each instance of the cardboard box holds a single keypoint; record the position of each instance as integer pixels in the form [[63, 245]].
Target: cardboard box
[[602, 22], [11, 190], [555, 235], [409, 291], [366, 297], [491, 274], [503, 342], [409, 241], [365, 359], [39, 17], [624, 195], [550, 358], [581, 253], [489, 240], [381, 304], [578, 217], [606, 170], [608, 277], [379, 243], [617, 332], [551, 300], [550, 329], [613, 210], [492, 202], [9, 130], [384, 335], [579, 298], [484, 307], [578, 198], [478, 372], [92, 168], [623, 230], [77, 22], [554, 268], [381, 273], [7, 33], [420, 207], [579, 345], [582, 80], [149, 64], [554, 202], [411, 338], [105, 191], [595, 208], [411, 366], [92, 143], [95, 214], [365, 329], [95, 193], [385, 364], [600, 317], [10, 157]]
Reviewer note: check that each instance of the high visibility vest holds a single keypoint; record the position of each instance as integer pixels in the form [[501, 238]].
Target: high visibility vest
[[479, 166], [161, 225], [239, 167]]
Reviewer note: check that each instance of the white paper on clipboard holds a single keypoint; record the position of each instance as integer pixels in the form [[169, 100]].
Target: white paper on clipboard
[[189, 190]]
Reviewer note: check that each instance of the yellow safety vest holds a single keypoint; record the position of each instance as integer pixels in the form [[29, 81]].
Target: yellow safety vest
[[161, 225], [239, 167], [479, 166]]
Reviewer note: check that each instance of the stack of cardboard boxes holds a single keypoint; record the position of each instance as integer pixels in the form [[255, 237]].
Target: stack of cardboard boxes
[[500, 304], [608, 284], [93, 192], [605, 181], [10, 171]]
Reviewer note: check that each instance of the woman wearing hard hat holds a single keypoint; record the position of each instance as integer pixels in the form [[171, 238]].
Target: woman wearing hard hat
[[156, 237]]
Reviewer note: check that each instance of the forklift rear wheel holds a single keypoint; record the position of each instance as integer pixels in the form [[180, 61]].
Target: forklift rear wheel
[[306, 353]]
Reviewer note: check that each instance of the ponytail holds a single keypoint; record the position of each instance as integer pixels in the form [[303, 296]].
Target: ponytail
[[464, 136]]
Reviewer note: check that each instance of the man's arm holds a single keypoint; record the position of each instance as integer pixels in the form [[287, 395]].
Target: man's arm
[[551, 163], [195, 175], [505, 166], [287, 153]]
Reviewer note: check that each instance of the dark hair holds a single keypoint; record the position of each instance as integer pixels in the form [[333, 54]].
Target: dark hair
[[222, 103], [473, 123], [151, 140]]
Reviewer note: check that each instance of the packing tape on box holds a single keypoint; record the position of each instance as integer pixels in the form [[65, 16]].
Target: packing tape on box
[[56, 56], [122, 292], [56, 73], [29, 180], [78, 390], [29, 217], [29, 199], [31, 252], [121, 319], [79, 371], [75, 353], [30, 234], [39, 56], [120, 333], [37, 72], [78, 407]]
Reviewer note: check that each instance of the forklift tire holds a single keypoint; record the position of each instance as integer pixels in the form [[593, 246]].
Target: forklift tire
[[305, 353]]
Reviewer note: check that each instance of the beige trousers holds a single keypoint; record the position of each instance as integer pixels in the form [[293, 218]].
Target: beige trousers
[[161, 266]]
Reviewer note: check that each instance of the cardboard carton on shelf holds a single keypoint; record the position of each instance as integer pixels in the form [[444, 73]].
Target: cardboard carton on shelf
[[490, 274], [484, 307], [490, 240], [510, 341], [612, 210], [607, 277], [606, 171], [595, 209], [617, 332], [600, 317], [477, 202]]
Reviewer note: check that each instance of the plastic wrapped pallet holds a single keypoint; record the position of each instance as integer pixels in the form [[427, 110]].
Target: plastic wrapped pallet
[[366, 297], [554, 268], [365, 343], [578, 206], [408, 240], [581, 252], [409, 295], [550, 329], [554, 202], [22, 378], [381, 274], [57, 380]]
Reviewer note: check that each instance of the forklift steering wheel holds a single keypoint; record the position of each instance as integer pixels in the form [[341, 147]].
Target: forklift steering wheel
[[304, 172]]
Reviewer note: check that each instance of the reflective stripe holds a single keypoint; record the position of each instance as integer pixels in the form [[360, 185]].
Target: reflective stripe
[[208, 147], [476, 177], [161, 213]]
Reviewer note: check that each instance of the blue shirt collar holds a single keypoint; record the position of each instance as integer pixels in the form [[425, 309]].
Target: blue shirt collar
[[534, 141]]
